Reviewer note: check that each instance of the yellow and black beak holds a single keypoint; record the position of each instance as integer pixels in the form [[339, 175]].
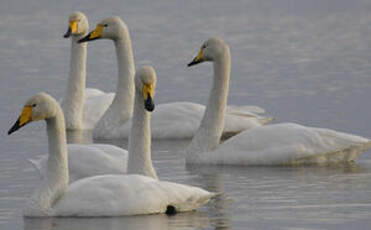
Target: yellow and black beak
[[24, 118], [148, 97], [197, 59], [95, 34], [72, 28]]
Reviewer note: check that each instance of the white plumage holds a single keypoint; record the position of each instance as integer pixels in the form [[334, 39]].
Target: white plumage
[[180, 120], [82, 107], [104, 195], [279, 144], [170, 120]]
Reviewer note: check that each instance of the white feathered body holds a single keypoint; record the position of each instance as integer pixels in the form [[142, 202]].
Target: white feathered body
[[180, 120], [123, 195], [285, 144]]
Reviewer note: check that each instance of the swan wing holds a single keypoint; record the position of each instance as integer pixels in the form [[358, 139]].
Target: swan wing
[[118, 195], [93, 92], [89, 160], [96, 104], [245, 109], [95, 159], [180, 120], [287, 144]]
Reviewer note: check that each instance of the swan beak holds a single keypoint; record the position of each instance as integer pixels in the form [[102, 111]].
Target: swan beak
[[95, 34], [68, 33], [197, 59], [72, 28], [24, 118], [148, 95]]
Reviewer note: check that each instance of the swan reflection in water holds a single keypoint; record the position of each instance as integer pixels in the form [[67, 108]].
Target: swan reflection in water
[[183, 220], [261, 196]]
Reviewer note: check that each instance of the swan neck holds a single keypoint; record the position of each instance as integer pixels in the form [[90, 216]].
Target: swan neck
[[125, 86], [57, 177], [73, 102], [207, 137], [140, 161]]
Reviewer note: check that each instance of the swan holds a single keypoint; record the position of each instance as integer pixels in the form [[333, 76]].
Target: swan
[[82, 107], [86, 161], [171, 120], [278, 144], [103, 195]]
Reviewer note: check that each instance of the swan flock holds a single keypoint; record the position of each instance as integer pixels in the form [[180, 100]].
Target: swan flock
[[105, 180]]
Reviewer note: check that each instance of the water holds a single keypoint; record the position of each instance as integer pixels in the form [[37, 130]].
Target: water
[[303, 61]]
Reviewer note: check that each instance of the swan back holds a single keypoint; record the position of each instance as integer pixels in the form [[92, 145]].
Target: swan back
[[118, 195], [287, 144]]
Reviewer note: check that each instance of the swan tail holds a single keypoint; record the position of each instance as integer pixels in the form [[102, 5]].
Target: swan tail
[[265, 120], [346, 155]]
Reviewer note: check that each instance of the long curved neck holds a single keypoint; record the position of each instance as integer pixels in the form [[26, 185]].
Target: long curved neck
[[123, 101], [57, 176], [73, 102], [140, 161], [210, 131], [121, 108]]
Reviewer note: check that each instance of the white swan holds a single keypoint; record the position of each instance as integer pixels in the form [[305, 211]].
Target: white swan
[[171, 120], [105, 195], [82, 107], [279, 144], [99, 159]]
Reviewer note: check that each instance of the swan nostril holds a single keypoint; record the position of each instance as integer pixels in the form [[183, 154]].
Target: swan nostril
[[170, 210]]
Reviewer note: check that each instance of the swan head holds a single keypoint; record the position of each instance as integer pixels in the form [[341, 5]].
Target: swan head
[[145, 84], [211, 49], [39, 107], [109, 28], [77, 25]]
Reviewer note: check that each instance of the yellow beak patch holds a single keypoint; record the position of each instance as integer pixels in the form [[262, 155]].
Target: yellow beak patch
[[26, 115], [97, 32], [199, 55], [147, 89], [73, 26]]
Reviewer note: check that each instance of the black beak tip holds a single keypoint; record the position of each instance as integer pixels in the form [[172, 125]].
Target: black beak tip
[[87, 38], [149, 105], [193, 62], [84, 39], [67, 34], [151, 108], [14, 128]]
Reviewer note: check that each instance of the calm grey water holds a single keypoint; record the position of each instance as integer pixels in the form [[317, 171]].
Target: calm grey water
[[305, 61]]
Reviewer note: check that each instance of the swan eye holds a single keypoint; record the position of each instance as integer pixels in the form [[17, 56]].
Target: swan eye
[[34, 105], [105, 25]]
